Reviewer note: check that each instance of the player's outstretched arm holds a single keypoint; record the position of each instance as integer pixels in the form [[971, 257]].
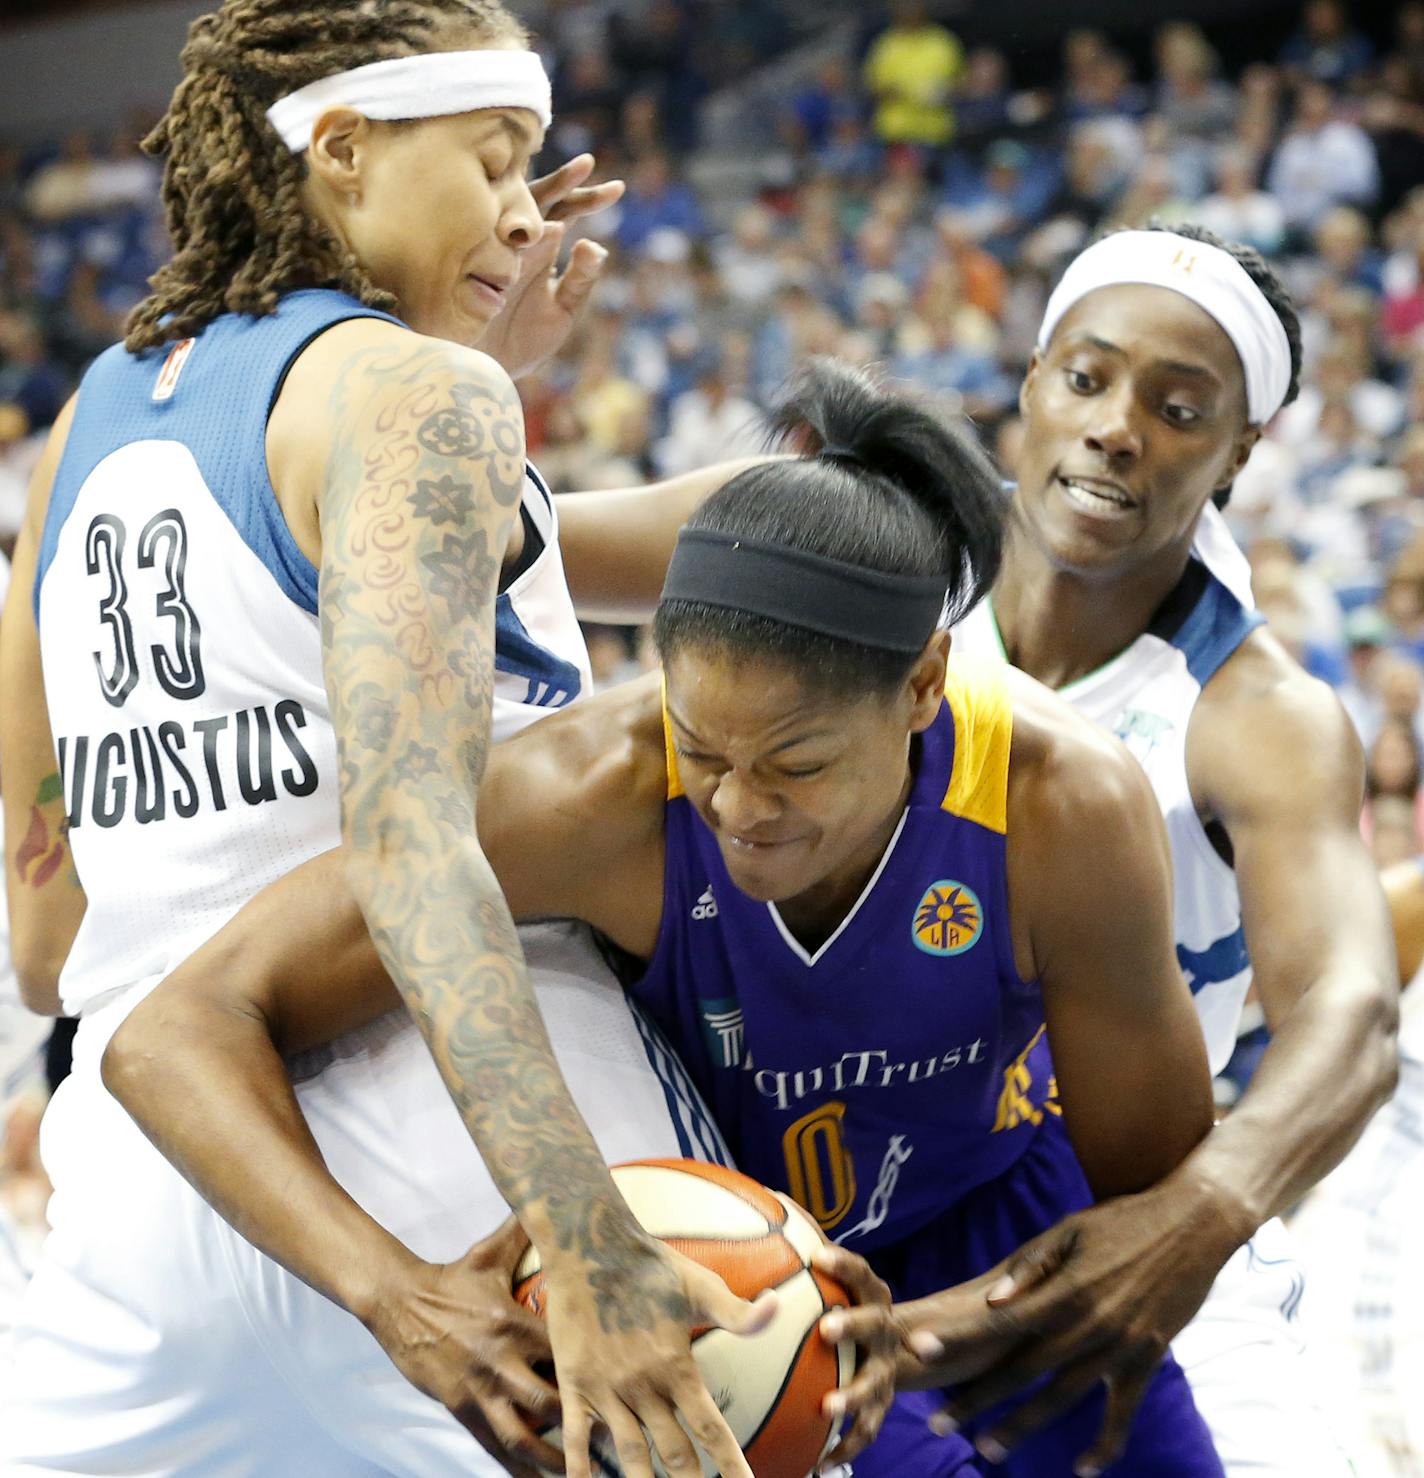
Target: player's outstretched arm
[[617, 545], [45, 900], [1274, 755], [1092, 879], [423, 485]]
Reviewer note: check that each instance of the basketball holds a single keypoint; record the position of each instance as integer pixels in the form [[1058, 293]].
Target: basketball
[[769, 1386]]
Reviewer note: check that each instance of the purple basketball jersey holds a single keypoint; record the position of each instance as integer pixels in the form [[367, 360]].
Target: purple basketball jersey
[[904, 1062]]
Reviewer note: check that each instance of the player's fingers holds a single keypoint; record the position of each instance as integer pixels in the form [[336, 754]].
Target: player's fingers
[[586, 263], [1031, 1265], [1068, 1387], [853, 1273], [700, 1416], [629, 1440], [578, 1437], [862, 1404], [517, 1438], [587, 201], [1007, 1379], [670, 1442], [540, 258], [867, 1325], [1125, 1393], [549, 189], [476, 1416], [528, 1390], [714, 1303]]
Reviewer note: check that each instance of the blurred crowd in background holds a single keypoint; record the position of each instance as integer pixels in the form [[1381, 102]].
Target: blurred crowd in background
[[885, 188]]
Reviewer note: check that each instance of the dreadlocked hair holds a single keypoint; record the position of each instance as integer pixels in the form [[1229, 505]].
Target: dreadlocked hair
[[232, 190]]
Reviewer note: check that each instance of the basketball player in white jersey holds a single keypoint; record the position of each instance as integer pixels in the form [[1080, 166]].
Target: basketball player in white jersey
[[1161, 358], [271, 427], [1358, 1233]]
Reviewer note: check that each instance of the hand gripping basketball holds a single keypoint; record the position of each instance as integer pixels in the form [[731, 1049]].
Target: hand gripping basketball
[[765, 1365]]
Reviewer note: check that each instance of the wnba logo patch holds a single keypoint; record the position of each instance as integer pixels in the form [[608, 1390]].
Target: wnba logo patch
[[949, 919]]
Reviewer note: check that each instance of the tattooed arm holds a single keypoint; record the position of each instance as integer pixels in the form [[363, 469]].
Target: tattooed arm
[[45, 901], [421, 484]]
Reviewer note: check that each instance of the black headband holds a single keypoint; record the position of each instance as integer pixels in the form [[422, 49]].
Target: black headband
[[894, 613]]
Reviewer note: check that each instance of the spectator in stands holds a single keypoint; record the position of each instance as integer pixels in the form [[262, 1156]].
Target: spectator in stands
[[655, 198], [658, 51], [746, 258], [1391, 822], [1343, 244], [1237, 210], [1259, 119], [810, 123], [1393, 769], [911, 71], [1402, 313], [709, 423], [1198, 108], [1079, 81], [33, 385], [1106, 89], [1323, 161], [967, 378], [984, 105], [1367, 638], [1326, 48], [1152, 195], [1005, 202]]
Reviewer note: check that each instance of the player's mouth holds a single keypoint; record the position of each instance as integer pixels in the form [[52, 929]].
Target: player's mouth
[[756, 846], [493, 290], [1097, 497]]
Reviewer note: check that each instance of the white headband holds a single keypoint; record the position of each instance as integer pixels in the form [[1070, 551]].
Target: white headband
[[433, 85], [1212, 278]]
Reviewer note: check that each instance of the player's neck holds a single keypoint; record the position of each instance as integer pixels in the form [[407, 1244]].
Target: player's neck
[[1059, 625]]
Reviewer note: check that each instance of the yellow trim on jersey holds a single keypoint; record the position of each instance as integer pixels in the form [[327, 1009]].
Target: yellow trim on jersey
[[674, 780], [978, 698]]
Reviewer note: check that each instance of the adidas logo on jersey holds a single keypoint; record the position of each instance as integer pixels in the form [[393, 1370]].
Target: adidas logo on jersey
[[706, 907]]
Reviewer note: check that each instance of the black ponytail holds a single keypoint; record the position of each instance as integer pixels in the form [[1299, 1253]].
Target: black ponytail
[[884, 484]]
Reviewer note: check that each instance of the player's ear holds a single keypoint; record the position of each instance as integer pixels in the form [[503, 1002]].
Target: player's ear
[[337, 152], [1030, 376], [1239, 453], [925, 683]]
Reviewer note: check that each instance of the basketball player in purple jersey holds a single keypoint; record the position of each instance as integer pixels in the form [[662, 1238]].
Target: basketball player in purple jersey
[[1162, 357], [866, 892]]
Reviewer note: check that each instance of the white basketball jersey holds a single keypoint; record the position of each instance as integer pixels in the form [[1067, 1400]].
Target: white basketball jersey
[[1145, 696], [182, 652]]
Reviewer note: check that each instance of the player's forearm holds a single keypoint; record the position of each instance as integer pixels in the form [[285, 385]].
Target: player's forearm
[[441, 926], [1331, 1063], [206, 1084], [616, 546]]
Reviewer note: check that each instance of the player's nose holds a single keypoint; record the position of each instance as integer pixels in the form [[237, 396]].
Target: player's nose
[[740, 805]]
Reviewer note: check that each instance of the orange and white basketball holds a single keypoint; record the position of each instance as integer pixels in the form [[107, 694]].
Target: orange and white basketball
[[769, 1386]]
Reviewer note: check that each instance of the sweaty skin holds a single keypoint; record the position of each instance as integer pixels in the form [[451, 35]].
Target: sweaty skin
[[572, 821]]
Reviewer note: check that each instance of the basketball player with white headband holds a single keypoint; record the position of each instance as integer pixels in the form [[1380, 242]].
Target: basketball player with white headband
[[290, 519], [1162, 358]]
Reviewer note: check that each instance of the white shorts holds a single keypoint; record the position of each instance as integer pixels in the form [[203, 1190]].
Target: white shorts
[[1252, 1372], [154, 1341], [1360, 1229]]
